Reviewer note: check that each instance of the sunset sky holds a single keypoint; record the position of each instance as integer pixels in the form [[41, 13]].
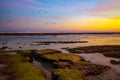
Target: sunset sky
[[60, 15]]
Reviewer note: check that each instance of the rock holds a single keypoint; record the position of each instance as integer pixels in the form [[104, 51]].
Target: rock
[[3, 68], [115, 54], [60, 42], [26, 53], [20, 47], [68, 74], [3, 43], [38, 54], [4, 47], [63, 57], [106, 50], [70, 61], [65, 65], [18, 68], [115, 62], [87, 67], [46, 51]]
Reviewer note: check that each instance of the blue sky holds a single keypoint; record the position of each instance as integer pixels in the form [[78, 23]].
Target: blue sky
[[56, 15]]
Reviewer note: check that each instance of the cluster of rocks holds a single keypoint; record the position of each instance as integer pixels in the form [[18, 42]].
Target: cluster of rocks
[[57, 42], [87, 68], [57, 59], [115, 62], [66, 66], [106, 50]]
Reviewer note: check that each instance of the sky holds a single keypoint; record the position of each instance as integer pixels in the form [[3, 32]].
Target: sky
[[59, 15]]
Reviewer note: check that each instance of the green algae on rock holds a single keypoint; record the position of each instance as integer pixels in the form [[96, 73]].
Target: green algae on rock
[[86, 67], [27, 54], [68, 74], [46, 51], [4, 51], [24, 53], [1, 50], [18, 68], [63, 57]]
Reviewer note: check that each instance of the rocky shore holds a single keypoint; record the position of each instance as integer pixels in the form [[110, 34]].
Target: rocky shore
[[59, 42], [69, 61], [18, 67], [66, 66], [106, 50]]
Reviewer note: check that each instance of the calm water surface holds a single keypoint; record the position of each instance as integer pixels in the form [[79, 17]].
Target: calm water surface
[[28, 42]]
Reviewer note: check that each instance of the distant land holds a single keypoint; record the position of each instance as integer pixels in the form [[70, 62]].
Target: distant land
[[44, 34]]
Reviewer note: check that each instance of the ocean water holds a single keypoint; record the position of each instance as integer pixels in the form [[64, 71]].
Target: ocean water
[[28, 42]]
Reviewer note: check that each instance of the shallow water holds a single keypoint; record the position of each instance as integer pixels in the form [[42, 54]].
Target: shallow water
[[27, 42]]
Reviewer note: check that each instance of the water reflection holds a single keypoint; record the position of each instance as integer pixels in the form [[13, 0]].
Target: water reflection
[[24, 42]]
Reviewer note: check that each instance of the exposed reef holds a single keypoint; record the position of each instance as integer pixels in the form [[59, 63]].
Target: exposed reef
[[106, 50], [68, 74], [71, 61], [16, 67], [57, 42], [66, 66], [114, 62]]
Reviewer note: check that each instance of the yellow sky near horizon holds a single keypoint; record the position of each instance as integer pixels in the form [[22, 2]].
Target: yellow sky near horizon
[[95, 24]]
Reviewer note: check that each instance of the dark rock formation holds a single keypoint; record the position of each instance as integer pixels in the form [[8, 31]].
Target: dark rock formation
[[4, 47], [106, 50], [86, 67], [115, 62]]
